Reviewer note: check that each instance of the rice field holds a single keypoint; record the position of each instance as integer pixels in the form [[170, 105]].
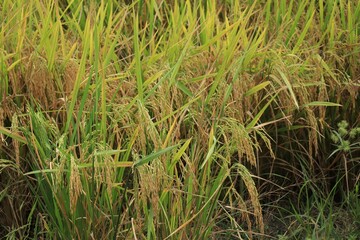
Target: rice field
[[179, 119]]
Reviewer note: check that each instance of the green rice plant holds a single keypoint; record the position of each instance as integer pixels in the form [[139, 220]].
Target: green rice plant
[[175, 119], [70, 181]]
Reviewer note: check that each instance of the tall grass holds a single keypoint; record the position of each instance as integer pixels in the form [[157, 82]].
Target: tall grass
[[172, 119]]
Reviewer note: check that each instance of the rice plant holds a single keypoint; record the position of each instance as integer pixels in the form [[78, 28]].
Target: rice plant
[[179, 119]]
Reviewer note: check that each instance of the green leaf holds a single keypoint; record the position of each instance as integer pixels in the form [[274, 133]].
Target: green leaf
[[258, 116], [108, 152], [288, 85], [152, 156], [325, 104], [13, 135], [257, 88], [184, 89]]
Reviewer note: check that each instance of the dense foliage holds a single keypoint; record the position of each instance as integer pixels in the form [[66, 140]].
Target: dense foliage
[[179, 119]]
